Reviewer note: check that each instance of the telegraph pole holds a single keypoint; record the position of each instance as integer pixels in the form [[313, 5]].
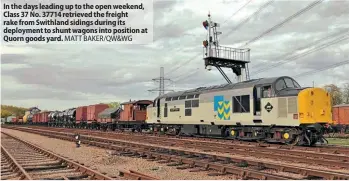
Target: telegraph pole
[[161, 81]]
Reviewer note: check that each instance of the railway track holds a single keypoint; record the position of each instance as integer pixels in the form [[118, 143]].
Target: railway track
[[320, 149], [22, 160], [184, 159], [293, 155]]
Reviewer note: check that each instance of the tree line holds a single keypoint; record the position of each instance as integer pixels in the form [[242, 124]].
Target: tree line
[[339, 95], [8, 110]]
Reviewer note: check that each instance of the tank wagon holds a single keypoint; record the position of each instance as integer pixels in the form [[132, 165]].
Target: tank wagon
[[26, 116], [267, 109]]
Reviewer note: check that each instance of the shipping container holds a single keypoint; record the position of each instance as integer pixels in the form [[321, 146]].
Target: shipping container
[[94, 110], [134, 110], [340, 114], [81, 114]]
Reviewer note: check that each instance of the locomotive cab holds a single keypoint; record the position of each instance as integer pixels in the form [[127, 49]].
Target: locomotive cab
[[301, 111]]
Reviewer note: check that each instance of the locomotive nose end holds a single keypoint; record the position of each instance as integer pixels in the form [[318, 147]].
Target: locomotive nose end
[[314, 106]]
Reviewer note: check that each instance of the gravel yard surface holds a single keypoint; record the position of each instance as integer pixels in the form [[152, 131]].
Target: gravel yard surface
[[101, 160], [277, 160]]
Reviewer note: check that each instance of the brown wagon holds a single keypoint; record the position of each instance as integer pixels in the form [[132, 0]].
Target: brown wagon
[[81, 115], [340, 115], [108, 117], [92, 113]]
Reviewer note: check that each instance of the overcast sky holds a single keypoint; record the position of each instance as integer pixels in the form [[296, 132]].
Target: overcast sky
[[65, 76]]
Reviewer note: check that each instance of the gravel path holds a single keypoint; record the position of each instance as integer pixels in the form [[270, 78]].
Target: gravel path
[[102, 161]]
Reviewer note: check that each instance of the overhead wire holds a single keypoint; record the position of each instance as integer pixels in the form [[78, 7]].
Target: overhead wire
[[307, 46], [302, 11], [337, 40], [295, 57], [322, 69], [234, 29], [298, 13]]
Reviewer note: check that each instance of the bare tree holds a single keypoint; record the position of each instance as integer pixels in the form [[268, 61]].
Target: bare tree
[[346, 93], [336, 94]]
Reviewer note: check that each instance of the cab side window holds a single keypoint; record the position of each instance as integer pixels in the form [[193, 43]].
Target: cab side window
[[266, 91]]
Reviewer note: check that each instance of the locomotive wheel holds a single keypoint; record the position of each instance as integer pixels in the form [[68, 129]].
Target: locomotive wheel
[[293, 141]]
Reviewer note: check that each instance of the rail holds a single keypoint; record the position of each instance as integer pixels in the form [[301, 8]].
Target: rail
[[70, 164], [18, 168], [187, 157]]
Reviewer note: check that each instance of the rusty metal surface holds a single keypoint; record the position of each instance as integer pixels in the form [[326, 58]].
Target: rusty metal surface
[[211, 161]]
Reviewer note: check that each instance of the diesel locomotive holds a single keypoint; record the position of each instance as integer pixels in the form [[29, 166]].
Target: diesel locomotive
[[274, 109]]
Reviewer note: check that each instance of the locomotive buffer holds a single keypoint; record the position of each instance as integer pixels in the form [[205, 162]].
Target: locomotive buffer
[[224, 57]]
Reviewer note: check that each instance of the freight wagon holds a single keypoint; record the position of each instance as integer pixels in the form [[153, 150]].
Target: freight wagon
[[340, 115], [40, 118], [14, 120], [81, 116], [9, 119], [92, 114], [130, 115], [107, 118]]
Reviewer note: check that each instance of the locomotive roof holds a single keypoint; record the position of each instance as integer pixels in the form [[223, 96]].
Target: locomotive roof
[[239, 85]]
